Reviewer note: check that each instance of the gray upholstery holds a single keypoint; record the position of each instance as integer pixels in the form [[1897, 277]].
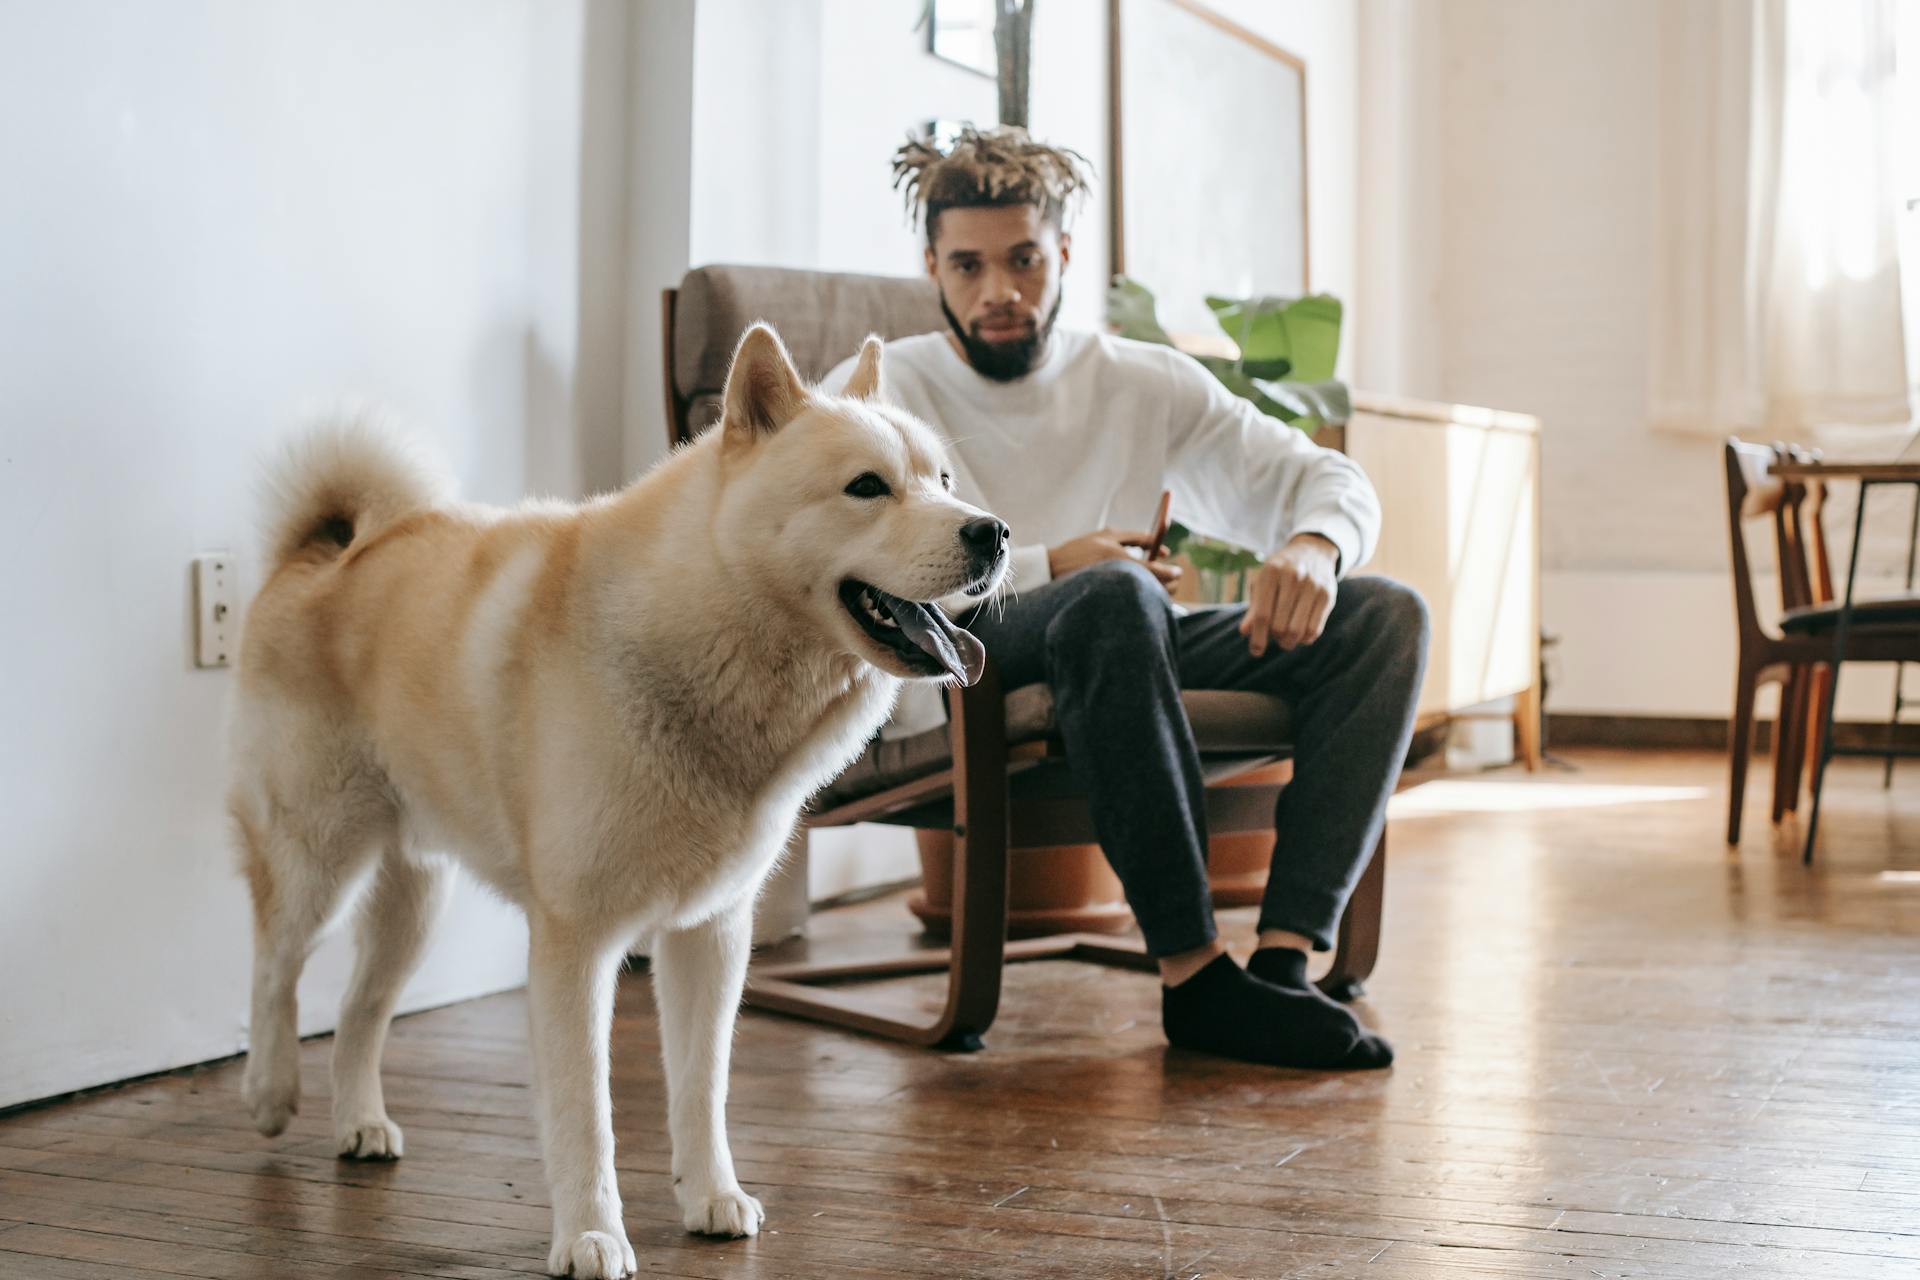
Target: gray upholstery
[[821, 316], [1224, 723]]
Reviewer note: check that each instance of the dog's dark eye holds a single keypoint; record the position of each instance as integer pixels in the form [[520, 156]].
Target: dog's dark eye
[[946, 478], [868, 485]]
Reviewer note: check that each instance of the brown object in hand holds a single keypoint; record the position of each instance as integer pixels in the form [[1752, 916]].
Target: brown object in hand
[[1162, 520]]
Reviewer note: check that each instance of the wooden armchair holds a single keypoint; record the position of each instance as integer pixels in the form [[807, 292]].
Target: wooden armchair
[[995, 775]]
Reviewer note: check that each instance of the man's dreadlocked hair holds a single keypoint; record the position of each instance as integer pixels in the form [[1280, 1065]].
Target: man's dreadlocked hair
[[998, 166]]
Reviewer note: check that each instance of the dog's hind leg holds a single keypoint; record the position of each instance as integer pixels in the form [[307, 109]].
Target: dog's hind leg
[[570, 989], [698, 975], [297, 882], [395, 917]]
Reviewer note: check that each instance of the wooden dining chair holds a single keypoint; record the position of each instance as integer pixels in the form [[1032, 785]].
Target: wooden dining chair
[[1811, 584], [995, 775], [1752, 495], [1798, 655]]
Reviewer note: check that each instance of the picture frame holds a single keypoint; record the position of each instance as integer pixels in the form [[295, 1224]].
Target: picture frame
[[961, 32], [1229, 219]]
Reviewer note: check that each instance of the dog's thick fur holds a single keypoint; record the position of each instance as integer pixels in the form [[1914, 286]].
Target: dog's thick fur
[[611, 713]]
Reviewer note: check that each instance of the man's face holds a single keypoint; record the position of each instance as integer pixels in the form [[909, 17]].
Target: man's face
[[998, 269]]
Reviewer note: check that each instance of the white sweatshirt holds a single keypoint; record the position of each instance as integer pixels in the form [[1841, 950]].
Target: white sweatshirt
[[1089, 439]]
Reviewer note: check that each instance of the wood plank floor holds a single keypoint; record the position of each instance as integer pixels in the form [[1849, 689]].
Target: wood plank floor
[[1623, 1051]]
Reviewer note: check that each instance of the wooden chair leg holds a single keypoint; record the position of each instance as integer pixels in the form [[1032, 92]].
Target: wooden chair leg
[[1785, 725], [1358, 943], [1820, 693], [1740, 749], [979, 952], [1797, 741]]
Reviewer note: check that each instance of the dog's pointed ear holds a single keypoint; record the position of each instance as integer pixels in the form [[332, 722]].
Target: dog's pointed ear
[[865, 382], [764, 391]]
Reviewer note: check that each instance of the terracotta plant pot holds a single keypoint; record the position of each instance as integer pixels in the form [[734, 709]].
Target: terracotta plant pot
[[1071, 889], [1237, 865], [1067, 888]]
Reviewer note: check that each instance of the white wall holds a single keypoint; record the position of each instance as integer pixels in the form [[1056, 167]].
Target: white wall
[[659, 168], [213, 212], [1509, 240], [799, 108]]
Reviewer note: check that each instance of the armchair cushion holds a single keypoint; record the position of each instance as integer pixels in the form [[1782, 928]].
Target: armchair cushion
[[1224, 722]]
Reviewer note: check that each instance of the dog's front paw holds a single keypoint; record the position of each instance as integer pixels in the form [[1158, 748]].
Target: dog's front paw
[[726, 1211], [272, 1103], [592, 1255], [375, 1139]]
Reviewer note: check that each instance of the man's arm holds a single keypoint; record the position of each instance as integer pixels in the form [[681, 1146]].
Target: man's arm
[[1240, 475], [1246, 477]]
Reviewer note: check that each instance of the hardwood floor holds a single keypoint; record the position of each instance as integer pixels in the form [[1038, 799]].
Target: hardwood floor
[[1623, 1051]]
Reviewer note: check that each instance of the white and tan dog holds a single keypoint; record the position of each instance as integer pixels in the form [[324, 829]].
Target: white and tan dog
[[611, 713]]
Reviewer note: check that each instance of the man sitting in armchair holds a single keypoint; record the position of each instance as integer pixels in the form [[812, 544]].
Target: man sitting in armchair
[[1062, 432]]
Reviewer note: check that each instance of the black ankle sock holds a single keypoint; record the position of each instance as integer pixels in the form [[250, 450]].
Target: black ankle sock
[[1282, 966], [1222, 1009]]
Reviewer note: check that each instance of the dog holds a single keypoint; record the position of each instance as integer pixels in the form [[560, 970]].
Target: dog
[[611, 713]]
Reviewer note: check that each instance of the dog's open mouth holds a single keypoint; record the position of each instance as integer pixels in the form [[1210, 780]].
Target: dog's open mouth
[[926, 640]]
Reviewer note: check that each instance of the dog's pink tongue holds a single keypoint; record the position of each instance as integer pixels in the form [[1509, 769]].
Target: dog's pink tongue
[[955, 648]]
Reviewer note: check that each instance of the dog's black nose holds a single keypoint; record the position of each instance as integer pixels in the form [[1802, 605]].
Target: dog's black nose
[[985, 537]]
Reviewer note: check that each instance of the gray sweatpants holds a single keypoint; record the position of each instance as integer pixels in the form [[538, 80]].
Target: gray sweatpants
[[1117, 654]]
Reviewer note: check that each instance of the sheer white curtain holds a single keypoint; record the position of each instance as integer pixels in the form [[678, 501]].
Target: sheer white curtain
[[1777, 297]]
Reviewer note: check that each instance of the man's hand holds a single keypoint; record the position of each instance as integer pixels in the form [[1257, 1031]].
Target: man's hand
[[1109, 544], [1292, 594]]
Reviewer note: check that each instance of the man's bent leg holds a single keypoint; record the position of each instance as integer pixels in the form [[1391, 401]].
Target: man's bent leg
[[1353, 693], [1103, 639]]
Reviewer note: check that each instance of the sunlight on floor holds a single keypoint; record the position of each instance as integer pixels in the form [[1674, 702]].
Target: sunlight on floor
[[1459, 796]]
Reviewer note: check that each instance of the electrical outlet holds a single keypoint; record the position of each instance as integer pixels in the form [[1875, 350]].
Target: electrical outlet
[[216, 594]]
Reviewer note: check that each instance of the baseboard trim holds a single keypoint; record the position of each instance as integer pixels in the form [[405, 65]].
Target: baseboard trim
[[1706, 733]]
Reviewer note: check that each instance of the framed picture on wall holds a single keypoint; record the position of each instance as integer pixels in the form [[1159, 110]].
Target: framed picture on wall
[[1207, 161]]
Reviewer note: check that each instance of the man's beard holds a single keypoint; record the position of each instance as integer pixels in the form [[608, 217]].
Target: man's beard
[[1004, 361]]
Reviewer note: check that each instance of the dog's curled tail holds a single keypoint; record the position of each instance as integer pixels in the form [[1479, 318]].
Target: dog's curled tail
[[342, 480]]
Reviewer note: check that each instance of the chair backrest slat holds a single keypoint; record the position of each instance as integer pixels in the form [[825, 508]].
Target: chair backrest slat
[[1799, 539], [1753, 492]]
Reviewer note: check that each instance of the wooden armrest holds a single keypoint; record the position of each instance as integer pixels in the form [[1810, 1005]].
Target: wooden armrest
[[978, 708]]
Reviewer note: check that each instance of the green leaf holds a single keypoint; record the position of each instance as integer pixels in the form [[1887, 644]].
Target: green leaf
[[1235, 380], [1268, 369], [1282, 336], [1130, 310], [1210, 555], [1321, 402]]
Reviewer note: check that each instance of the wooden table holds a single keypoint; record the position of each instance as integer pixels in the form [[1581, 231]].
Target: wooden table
[[1868, 474]]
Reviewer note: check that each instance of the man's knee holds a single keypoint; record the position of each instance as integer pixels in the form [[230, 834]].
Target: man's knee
[[1406, 612], [1395, 616], [1113, 598]]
